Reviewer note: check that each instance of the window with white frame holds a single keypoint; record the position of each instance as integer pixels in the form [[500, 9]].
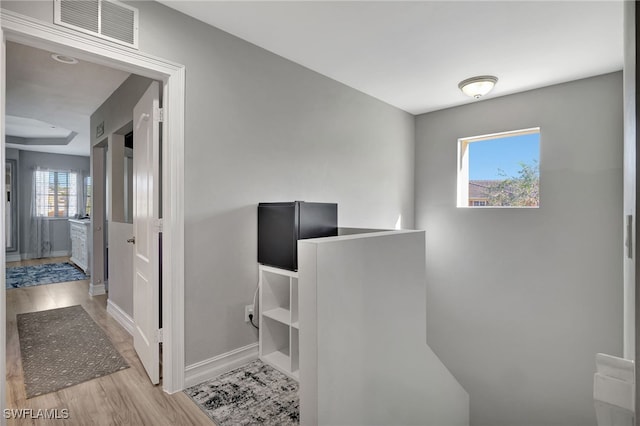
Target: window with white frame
[[500, 170], [55, 193]]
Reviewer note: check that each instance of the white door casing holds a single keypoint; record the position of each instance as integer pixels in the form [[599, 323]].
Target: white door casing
[[44, 35], [3, 325], [146, 215]]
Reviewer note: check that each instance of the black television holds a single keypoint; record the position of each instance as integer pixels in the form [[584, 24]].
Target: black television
[[281, 225]]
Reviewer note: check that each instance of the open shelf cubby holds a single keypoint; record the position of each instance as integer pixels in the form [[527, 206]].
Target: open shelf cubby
[[279, 319]]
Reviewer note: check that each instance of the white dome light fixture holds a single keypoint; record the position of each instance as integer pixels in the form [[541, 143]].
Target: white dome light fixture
[[64, 59], [476, 87]]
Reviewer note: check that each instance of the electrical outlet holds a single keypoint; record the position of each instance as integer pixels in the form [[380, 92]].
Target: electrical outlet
[[247, 311]]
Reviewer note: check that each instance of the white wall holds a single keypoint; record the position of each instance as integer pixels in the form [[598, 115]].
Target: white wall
[[520, 301], [261, 128], [364, 359]]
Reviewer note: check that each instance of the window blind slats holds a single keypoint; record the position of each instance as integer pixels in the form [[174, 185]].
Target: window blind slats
[[56, 193]]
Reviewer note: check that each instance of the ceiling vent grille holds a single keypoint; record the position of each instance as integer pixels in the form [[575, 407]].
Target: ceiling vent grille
[[107, 19]]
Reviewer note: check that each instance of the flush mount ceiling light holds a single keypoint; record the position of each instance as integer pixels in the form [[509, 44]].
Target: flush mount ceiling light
[[64, 59], [477, 87]]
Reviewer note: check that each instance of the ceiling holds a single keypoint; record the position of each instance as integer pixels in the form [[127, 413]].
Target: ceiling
[[48, 101], [409, 54], [413, 54]]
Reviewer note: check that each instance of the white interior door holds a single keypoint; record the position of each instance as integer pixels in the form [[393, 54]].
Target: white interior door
[[146, 196]]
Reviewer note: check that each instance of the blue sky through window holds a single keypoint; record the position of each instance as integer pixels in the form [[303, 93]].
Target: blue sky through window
[[487, 156]]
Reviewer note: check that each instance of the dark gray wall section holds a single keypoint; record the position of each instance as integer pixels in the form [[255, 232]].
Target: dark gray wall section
[[59, 228], [14, 154], [117, 110], [519, 301]]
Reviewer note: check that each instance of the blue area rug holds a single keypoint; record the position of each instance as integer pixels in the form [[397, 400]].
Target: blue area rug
[[48, 273]]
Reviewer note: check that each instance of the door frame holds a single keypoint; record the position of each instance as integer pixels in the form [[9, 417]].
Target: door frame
[[35, 33], [3, 259]]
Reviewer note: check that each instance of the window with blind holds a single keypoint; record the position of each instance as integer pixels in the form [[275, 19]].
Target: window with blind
[[56, 193]]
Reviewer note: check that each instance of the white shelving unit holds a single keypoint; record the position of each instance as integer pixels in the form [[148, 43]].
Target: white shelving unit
[[279, 319]]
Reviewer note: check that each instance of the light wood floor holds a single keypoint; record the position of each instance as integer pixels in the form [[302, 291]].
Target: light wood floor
[[123, 398]]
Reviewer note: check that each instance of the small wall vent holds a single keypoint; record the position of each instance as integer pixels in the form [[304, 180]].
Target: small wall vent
[[107, 19]]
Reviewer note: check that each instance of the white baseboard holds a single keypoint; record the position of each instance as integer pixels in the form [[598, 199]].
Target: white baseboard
[[121, 316], [13, 257], [96, 289], [213, 367], [59, 253]]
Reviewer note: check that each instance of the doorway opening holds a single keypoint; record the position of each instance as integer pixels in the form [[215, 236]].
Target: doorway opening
[[17, 28]]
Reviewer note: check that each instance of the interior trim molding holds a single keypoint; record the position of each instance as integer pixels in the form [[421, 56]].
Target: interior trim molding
[[213, 367], [97, 289], [32, 32], [120, 316], [13, 257], [35, 33], [3, 261]]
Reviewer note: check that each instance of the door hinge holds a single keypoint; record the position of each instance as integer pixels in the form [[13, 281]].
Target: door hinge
[[158, 225], [159, 115], [629, 237], [160, 335]]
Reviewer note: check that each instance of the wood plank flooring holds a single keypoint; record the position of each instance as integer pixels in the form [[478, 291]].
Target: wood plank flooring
[[123, 398]]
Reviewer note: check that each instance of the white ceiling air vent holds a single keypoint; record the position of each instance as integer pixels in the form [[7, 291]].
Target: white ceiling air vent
[[107, 19]]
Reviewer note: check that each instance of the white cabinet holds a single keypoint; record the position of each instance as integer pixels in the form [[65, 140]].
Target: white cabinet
[[279, 319], [79, 232]]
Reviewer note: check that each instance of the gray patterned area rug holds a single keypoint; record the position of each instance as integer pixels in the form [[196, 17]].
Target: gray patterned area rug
[[255, 394], [63, 347], [48, 273]]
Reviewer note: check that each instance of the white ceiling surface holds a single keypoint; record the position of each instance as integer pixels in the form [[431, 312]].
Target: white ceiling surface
[[31, 128], [63, 95], [413, 54]]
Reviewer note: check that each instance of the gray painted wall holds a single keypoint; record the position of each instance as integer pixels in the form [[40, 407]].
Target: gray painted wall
[[261, 128], [59, 228], [519, 301], [12, 153], [117, 112]]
